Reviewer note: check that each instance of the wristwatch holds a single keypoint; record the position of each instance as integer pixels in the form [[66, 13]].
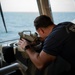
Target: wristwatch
[[27, 47]]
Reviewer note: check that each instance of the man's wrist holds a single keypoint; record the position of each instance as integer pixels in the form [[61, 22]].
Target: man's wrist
[[27, 47]]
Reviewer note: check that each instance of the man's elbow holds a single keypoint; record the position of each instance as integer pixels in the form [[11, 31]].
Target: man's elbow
[[40, 67]]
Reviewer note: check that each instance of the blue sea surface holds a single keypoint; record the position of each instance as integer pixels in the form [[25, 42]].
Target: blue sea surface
[[19, 21]]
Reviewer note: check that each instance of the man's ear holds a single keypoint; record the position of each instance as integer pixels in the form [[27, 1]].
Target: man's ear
[[42, 30]]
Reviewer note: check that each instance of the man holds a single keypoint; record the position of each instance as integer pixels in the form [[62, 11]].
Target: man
[[58, 41]]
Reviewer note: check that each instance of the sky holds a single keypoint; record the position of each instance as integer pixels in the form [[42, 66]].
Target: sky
[[63, 5], [31, 5]]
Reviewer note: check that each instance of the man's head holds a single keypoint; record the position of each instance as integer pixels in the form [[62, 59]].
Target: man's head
[[42, 21], [43, 25]]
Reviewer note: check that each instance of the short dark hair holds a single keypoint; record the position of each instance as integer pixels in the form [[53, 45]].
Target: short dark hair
[[42, 21]]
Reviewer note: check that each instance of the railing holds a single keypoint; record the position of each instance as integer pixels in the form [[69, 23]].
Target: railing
[[1, 56], [11, 68]]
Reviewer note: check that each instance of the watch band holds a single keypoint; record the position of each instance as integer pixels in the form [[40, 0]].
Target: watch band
[[27, 47]]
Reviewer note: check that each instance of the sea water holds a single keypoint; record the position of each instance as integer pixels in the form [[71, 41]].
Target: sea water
[[19, 21]]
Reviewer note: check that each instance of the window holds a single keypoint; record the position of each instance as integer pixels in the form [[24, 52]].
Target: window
[[18, 15], [63, 10]]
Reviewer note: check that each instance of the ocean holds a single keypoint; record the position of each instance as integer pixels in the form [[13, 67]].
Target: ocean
[[19, 21]]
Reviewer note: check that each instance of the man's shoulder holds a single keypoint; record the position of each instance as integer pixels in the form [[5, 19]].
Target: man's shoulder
[[62, 24], [65, 23], [68, 26]]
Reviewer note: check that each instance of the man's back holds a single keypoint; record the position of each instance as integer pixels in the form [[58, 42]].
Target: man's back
[[68, 49], [61, 43]]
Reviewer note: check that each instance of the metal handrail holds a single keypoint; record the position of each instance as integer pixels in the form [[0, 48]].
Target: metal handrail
[[10, 68]]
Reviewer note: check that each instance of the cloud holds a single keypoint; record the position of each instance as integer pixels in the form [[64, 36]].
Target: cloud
[[19, 5], [63, 6], [31, 5]]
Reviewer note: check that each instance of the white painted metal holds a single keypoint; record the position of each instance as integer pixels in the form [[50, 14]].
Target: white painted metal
[[45, 8]]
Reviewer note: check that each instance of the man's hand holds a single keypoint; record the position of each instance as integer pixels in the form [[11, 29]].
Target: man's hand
[[22, 43]]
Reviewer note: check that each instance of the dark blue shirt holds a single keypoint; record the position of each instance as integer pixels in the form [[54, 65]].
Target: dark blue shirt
[[61, 42]]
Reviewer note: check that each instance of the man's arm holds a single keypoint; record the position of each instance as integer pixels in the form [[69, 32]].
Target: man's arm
[[39, 59]]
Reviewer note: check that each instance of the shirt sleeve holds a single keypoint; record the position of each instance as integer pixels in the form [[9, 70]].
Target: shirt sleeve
[[54, 42]]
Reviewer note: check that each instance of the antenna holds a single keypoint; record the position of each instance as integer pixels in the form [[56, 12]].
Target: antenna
[[3, 18]]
